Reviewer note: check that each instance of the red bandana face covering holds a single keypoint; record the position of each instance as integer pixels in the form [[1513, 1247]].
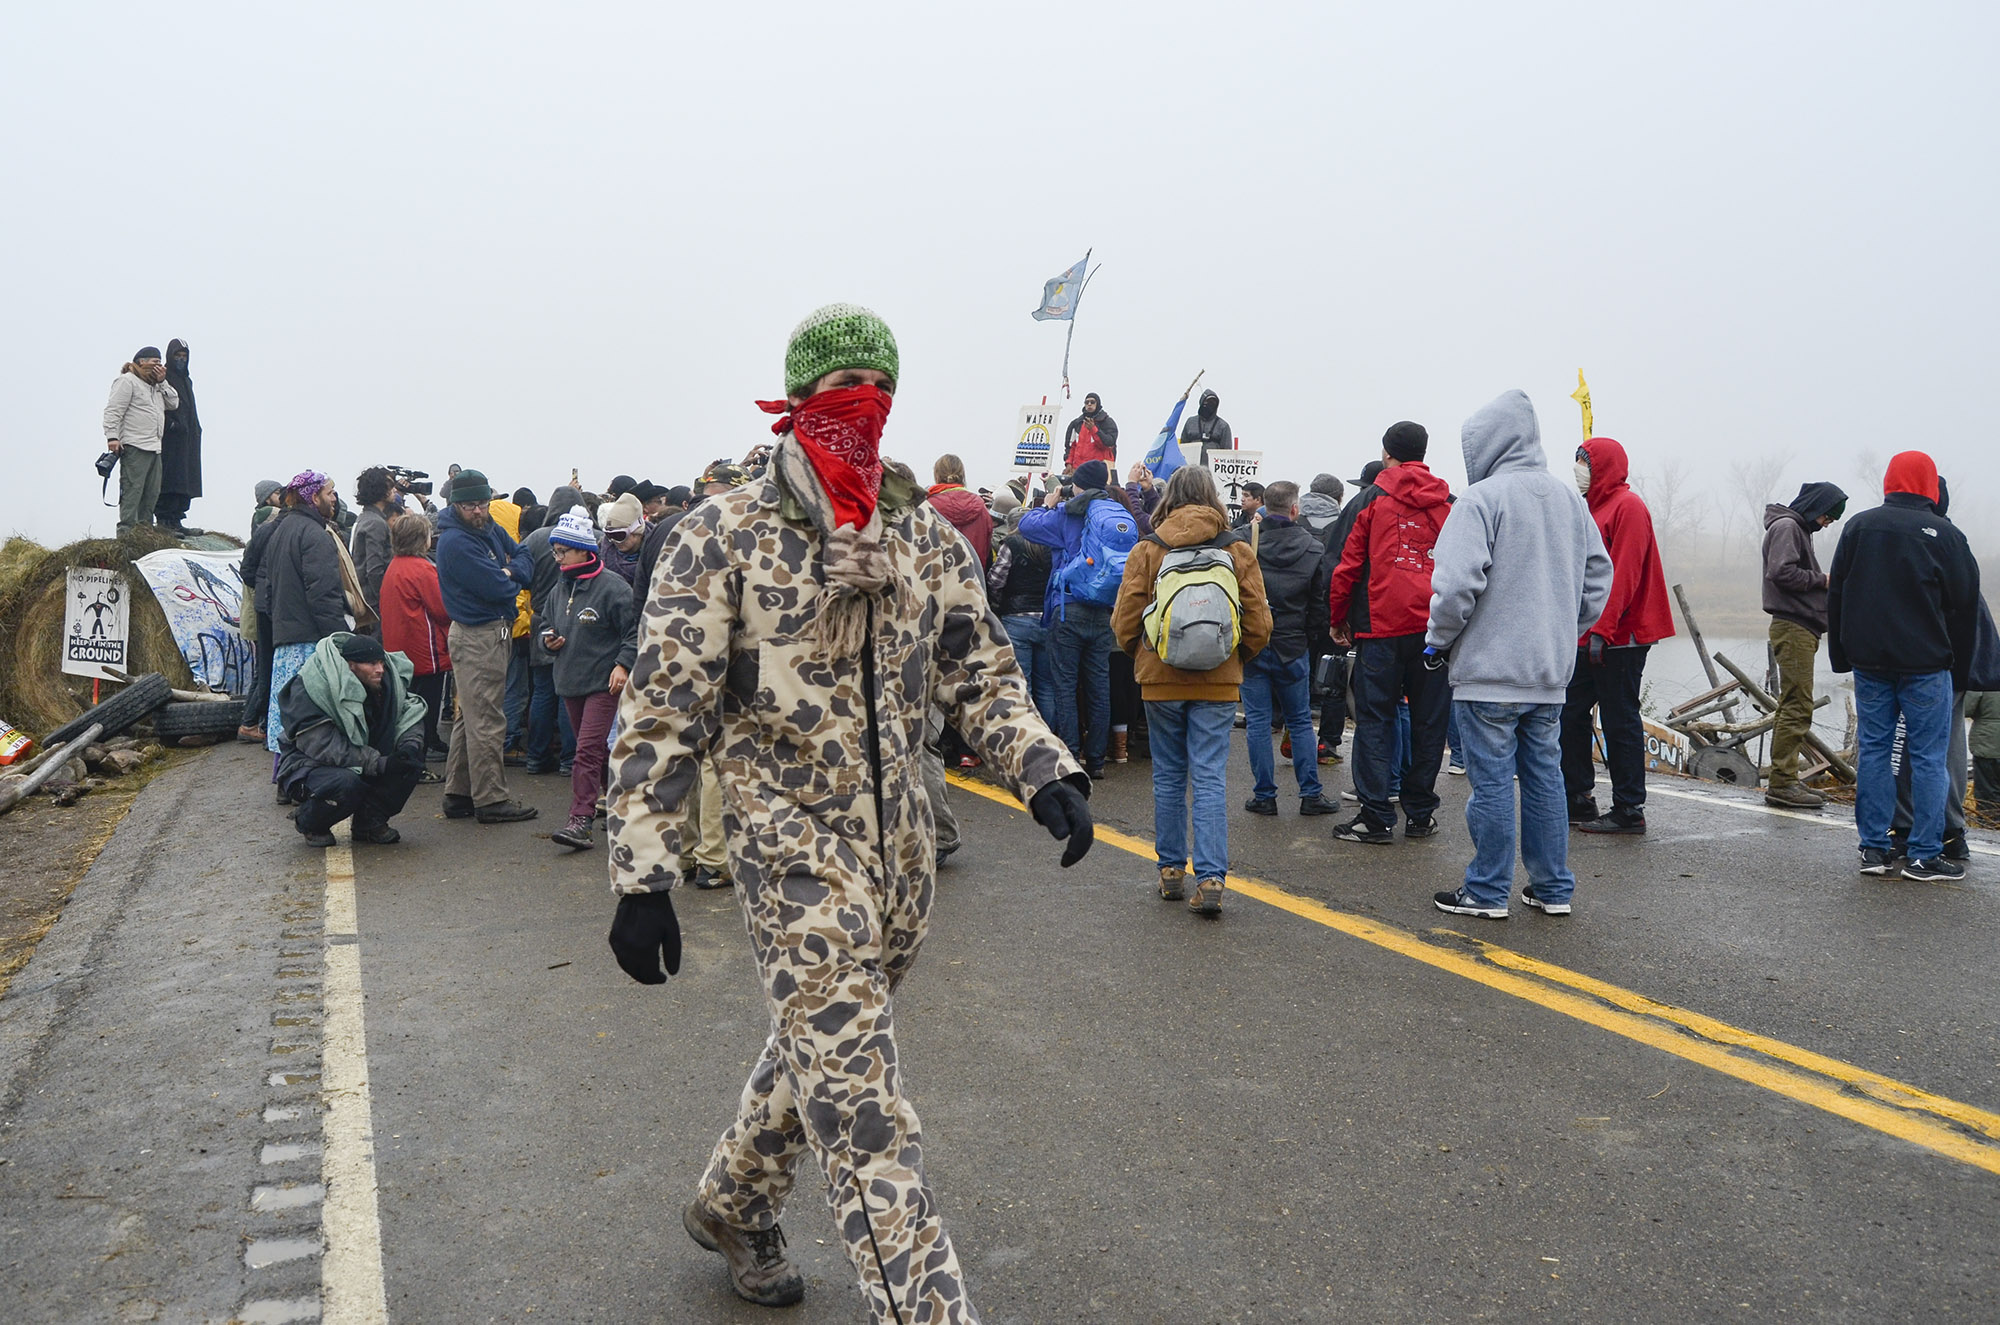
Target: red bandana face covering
[[841, 434]]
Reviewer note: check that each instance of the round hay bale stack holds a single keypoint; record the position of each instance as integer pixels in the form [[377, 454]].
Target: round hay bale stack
[[34, 693]]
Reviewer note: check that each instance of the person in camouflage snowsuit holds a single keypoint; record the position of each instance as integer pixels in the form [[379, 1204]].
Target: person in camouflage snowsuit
[[796, 632]]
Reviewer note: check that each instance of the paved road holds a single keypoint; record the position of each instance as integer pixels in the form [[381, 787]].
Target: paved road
[[1132, 1115]]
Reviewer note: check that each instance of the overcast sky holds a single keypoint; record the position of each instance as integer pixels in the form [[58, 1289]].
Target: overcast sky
[[531, 237]]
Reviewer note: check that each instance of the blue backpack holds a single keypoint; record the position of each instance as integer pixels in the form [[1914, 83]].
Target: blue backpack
[[1098, 568]]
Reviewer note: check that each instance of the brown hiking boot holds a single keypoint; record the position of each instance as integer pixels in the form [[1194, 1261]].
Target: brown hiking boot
[[759, 1270], [1207, 899], [1793, 796], [1173, 884], [1121, 749]]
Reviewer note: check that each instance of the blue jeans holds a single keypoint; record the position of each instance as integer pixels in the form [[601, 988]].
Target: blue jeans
[[1286, 686], [1925, 703], [542, 722], [1081, 647], [1190, 739], [1452, 741], [1030, 639], [519, 686], [1502, 741]]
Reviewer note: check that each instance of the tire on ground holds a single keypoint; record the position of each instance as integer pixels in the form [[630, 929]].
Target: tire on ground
[[121, 712], [200, 718]]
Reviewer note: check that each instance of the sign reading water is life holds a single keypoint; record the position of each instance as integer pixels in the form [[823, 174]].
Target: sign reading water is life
[[97, 617]]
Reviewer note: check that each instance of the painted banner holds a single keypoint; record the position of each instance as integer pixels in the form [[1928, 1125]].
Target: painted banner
[[1232, 469], [97, 624], [202, 595]]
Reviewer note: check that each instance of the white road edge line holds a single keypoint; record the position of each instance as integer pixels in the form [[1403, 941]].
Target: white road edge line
[[351, 1289], [1729, 803]]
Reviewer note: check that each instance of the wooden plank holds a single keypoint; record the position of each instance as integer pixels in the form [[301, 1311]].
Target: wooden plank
[[1706, 697], [1700, 645], [1756, 693]]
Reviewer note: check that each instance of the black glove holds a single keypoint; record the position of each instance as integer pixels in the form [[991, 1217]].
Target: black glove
[[645, 934], [1065, 812], [1597, 650], [403, 763]]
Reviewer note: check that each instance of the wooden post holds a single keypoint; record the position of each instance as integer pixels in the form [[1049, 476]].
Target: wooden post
[[13, 793], [1701, 647]]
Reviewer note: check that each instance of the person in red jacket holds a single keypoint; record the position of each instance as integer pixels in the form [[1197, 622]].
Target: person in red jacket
[[1611, 656], [1380, 598], [414, 622], [965, 508]]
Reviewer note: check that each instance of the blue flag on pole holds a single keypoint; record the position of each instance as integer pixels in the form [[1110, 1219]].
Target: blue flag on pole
[[1059, 295], [1166, 457]]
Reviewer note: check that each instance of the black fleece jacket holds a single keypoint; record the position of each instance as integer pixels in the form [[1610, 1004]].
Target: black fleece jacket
[[1904, 593]]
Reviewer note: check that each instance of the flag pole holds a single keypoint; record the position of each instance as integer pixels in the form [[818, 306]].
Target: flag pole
[[1075, 308]]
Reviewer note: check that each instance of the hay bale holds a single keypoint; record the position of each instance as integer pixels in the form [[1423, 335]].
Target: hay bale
[[18, 556], [34, 694]]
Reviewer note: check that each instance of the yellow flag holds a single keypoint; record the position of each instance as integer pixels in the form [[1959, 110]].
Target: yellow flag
[[1582, 397]]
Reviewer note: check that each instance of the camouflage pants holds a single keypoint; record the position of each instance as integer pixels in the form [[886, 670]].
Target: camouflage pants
[[831, 951]]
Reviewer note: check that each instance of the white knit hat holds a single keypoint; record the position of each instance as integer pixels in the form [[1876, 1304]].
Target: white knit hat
[[573, 530], [618, 517]]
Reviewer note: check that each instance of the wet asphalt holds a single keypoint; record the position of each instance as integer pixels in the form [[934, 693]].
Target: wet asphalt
[[1130, 1114]]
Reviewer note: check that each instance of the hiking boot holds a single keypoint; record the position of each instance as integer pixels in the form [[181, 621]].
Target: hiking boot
[[319, 837], [709, 880], [250, 735], [1207, 898], [1622, 820], [1935, 870], [1265, 805], [1582, 809], [574, 833], [1533, 899], [1363, 829], [1876, 862], [1096, 771], [1311, 805], [457, 807], [514, 759], [1173, 884], [376, 834], [542, 769], [1285, 747], [504, 812], [1955, 848], [1121, 748], [759, 1270], [1424, 827], [1461, 903], [1793, 796], [285, 798]]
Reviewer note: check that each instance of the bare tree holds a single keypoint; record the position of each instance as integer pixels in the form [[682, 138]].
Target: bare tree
[[1868, 466], [1679, 513], [1754, 481]]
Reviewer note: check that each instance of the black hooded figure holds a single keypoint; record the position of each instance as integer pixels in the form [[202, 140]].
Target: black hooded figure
[[180, 448], [1209, 428]]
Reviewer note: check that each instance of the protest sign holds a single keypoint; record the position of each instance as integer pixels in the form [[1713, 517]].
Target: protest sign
[[1232, 469], [1035, 441], [202, 596], [97, 624]]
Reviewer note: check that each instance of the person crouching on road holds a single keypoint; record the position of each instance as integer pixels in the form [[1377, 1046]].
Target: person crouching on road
[[798, 631], [590, 628], [1611, 656], [1189, 712], [353, 739]]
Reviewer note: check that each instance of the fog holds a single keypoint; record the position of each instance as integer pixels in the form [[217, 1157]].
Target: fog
[[531, 238]]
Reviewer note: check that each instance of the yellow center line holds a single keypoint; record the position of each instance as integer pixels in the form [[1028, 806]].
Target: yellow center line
[[1949, 1127]]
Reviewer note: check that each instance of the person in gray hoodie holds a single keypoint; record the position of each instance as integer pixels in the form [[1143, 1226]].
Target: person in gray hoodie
[[1795, 600], [1520, 572]]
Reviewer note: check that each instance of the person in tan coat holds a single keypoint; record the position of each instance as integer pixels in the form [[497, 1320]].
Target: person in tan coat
[[1190, 713]]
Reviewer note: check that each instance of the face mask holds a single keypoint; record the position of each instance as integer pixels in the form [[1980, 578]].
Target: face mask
[[1583, 477]]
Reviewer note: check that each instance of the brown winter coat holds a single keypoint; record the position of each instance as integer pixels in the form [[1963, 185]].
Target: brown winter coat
[[1187, 527]]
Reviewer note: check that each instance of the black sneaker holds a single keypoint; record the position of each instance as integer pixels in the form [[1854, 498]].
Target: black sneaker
[[1935, 870], [1424, 827], [1531, 898], [1363, 829], [1877, 862], [1311, 805], [1899, 846], [284, 798], [1583, 810], [1460, 903], [1622, 820], [1262, 805], [381, 834], [457, 807], [709, 880], [505, 812], [1095, 771], [1956, 848]]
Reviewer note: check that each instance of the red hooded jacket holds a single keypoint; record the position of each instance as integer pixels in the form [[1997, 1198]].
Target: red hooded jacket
[[1392, 538], [414, 622], [1637, 611], [968, 514]]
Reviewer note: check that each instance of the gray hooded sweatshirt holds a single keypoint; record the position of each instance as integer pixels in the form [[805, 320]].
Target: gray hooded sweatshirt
[[1520, 568]]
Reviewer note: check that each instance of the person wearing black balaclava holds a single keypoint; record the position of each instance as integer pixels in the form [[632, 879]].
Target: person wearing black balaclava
[[1208, 428], [180, 446]]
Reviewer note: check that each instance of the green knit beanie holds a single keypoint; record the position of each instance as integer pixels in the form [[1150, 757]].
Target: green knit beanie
[[838, 336]]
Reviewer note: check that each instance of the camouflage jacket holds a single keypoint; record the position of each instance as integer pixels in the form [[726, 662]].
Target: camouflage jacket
[[731, 666]]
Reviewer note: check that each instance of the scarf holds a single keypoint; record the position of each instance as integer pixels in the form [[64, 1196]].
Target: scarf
[[853, 559], [583, 570], [840, 432]]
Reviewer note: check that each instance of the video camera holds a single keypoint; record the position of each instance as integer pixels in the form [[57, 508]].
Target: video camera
[[414, 481]]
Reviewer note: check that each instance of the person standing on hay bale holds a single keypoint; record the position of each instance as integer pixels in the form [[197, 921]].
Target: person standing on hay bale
[[301, 563], [135, 420], [353, 742], [180, 447]]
